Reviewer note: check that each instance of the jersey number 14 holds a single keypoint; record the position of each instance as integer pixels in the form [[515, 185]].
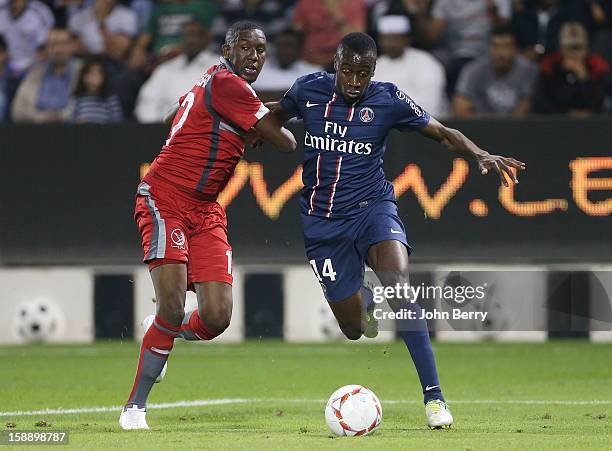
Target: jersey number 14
[[328, 270]]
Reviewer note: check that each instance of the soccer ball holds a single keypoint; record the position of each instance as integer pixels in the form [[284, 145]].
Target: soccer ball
[[37, 320], [353, 410]]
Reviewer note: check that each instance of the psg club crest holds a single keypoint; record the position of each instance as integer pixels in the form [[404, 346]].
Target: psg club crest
[[366, 114]]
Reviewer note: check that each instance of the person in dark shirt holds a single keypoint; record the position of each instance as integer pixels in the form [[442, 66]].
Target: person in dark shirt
[[274, 16], [574, 80], [601, 12], [349, 211], [536, 23]]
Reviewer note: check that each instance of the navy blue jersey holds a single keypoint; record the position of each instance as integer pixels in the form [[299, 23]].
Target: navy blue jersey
[[344, 144]]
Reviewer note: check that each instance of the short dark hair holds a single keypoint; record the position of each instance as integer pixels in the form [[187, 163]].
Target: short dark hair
[[106, 89], [3, 46], [244, 25], [502, 30], [360, 43]]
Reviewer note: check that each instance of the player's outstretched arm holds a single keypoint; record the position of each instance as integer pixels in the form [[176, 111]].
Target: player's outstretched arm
[[456, 141], [277, 110], [271, 129]]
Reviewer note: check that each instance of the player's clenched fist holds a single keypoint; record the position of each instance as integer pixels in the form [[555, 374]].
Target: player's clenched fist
[[253, 138]]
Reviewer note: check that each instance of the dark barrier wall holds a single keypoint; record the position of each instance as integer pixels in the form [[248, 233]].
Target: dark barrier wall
[[67, 195]]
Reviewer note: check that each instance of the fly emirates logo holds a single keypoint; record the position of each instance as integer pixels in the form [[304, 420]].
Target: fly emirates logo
[[333, 141]]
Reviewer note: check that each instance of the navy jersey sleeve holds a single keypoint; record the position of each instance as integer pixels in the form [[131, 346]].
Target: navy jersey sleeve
[[408, 115], [289, 102]]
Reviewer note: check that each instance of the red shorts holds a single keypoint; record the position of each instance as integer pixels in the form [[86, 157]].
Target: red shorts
[[176, 227]]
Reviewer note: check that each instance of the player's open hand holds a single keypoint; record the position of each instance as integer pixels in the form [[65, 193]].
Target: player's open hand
[[253, 138], [501, 165]]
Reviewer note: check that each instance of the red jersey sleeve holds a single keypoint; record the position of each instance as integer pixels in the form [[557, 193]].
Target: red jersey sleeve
[[236, 102]]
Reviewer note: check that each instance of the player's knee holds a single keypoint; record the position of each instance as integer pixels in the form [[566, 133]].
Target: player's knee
[[217, 315], [393, 278], [218, 320], [353, 330], [352, 333]]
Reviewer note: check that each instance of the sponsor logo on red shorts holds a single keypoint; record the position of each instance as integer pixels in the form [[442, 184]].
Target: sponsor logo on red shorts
[[178, 239]]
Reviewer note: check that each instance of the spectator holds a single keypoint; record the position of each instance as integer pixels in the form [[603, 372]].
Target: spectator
[[25, 25], [174, 78], [500, 83], [574, 80], [286, 65], [412, 9], [64, 9], [414, 71], [324, 23], [273, 15], [459, 30], [143, 10], [601, 11], [94, 98], [163, 34], [45, 93], [4, 79], [536, 23], [105, 28]]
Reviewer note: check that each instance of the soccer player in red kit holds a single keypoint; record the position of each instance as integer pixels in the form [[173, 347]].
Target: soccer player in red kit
[[183, 228]]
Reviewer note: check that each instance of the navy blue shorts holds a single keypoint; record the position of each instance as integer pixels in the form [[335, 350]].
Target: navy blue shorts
[[338, 248]]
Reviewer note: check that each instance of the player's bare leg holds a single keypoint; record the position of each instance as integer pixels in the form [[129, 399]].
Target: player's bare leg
[[213, 314], [350, 314], [354, 314], [170, 283], [389, 260]]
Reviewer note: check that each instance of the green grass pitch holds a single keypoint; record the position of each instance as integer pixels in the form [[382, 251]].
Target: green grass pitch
[[555, 395]]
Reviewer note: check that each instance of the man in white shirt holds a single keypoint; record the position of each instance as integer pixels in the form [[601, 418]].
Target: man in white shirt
[[105, 28], [285, 65], [414, 71], [25, 25], [175, 77]]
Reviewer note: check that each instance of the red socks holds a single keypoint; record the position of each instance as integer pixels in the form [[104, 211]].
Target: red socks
[[159, 339], [156, 346], [194, 329]]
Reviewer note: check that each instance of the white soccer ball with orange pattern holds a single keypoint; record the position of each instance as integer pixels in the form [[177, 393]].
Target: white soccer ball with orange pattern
[[353, 410]]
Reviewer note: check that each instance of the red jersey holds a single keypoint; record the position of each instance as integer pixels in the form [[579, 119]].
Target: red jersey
[[206, 141]]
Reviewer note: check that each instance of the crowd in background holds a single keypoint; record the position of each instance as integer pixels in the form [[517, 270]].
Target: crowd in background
[[115, 60]]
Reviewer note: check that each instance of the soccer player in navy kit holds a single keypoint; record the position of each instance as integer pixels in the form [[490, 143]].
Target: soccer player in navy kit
[[349, 212]]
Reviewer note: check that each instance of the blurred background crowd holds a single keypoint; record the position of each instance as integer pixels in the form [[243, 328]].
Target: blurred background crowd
[[116, 60]]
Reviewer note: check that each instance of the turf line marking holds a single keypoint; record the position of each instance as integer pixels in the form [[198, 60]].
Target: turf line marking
[[165, 405], [215, 402]]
